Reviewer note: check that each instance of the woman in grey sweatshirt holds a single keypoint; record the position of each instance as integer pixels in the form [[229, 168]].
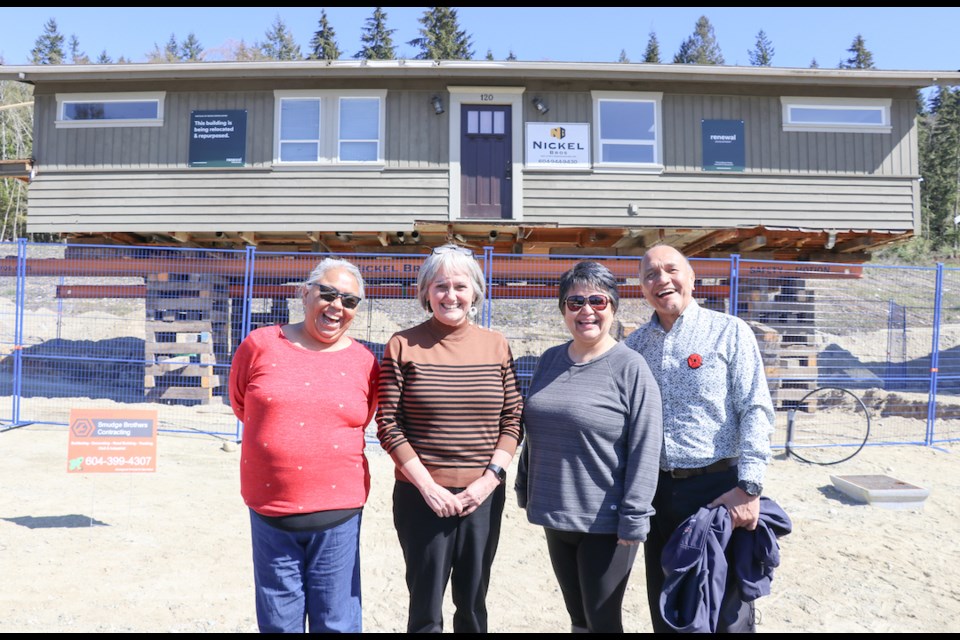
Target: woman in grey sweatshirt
[[589, 464]]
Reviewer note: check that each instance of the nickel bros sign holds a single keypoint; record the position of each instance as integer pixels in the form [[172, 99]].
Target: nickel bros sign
[[558, 145]]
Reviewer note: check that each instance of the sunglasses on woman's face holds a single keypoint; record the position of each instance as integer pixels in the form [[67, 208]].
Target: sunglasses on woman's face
[[330, 294], [597, 302]]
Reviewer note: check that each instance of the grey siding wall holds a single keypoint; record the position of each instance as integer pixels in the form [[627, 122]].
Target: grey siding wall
[[720, 200], [138, 179], [770, 150], [416, 138], [236, 201]]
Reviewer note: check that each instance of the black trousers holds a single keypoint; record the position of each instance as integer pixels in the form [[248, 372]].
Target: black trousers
[[437, 549], [675, 501], [592, 570]]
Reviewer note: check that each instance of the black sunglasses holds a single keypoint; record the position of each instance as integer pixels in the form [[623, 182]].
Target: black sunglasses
[[447, 248], [330, 294], [597, 301]]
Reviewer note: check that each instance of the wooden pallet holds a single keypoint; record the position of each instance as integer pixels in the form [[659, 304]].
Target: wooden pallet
[[187, 329]]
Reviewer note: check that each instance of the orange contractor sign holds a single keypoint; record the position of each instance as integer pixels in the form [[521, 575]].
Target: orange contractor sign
[[112, 441]]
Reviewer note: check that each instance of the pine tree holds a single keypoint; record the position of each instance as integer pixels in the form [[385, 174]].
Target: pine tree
[[701, 47], [243, 53], [441, 37], [103, 58], [490, 54], [377, 39], [77, 56], [16, 141], [623, 56], [172, 51], [860, 58], [280, 44], [762, 54], [323, 46], [814, 64], [511, 55], [48, 48], [190, 49], [940, 168], [652, 54]]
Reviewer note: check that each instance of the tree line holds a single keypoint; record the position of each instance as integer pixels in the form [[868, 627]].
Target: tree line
[[441, 37]]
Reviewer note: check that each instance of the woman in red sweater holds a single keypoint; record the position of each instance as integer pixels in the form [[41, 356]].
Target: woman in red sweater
[[305, 392], [450, 418]]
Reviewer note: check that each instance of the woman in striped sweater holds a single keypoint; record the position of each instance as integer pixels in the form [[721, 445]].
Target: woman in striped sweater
[[449, 415]]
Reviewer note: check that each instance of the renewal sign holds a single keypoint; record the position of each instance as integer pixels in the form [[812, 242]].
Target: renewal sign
[[112, 440], [723, 148], [218, 138], [558, 145]]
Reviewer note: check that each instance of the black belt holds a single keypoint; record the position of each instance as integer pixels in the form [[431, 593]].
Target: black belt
[[719, 465]]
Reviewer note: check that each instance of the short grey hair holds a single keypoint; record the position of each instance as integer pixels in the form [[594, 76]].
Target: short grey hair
[[327, 265], [451, 258], [589, 273]]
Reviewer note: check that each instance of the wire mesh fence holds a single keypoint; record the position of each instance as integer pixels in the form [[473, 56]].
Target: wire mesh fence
[[102, 326]]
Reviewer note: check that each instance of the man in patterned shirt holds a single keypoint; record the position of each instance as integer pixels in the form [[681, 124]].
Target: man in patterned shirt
[[717, 418]]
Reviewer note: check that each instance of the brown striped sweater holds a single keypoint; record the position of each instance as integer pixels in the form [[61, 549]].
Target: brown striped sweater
[[450, 396]]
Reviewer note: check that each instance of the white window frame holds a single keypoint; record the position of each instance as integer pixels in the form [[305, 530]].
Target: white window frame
[[628, 96], [128, 96], [880, 105], [329, 143]]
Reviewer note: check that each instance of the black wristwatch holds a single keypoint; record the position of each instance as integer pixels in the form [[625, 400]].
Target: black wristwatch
[[752, 489], [498, 470]]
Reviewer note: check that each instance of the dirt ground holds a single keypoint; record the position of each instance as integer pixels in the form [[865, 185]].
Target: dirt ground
[[169, 551]]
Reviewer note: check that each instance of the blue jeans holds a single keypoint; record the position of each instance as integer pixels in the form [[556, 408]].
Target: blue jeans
[[307, 576]]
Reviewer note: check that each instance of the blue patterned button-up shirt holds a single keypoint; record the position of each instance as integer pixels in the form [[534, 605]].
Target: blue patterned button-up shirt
[[716, 403]]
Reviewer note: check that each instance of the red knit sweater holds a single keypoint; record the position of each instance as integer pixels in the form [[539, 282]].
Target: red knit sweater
[[304, 414]]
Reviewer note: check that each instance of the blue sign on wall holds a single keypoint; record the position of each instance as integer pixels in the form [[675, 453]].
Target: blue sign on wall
[[218, 138], [723, 145]]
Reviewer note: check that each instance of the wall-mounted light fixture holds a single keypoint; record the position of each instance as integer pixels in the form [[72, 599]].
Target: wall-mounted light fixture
[[437, 103], [540, 106], [831, 240]]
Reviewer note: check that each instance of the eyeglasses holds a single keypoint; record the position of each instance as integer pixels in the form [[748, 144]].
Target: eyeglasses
[[597, 301], [330, 294], [447, 248]]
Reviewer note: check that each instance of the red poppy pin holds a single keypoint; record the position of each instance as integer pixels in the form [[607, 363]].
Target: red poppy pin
[[695, 360]]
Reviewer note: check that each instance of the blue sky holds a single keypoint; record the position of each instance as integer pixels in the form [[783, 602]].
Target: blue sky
[[900, 38]]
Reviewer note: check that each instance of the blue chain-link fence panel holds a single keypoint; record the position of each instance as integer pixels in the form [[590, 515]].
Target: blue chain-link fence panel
[[945, 417], [91, 325], [864, 328]]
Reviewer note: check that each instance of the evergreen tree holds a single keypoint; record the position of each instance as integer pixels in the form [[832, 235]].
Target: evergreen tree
[[623, 56], [376, 38], [762, 54], [103, 58], [323, 46], [77, 56], [16, 142], [48, 48], [243, 53], [511, 55], [172, 51], [940, 168], [190, 49], [814, 64], [441, 37], [652, 54], [860, 57], [490, 54], [280, 44], [701, 47], [169, 53]]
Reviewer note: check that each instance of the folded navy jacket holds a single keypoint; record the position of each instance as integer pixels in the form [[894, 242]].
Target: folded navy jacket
[[695, 564]]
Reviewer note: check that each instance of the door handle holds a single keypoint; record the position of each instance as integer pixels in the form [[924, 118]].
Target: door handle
[[509, 171]]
